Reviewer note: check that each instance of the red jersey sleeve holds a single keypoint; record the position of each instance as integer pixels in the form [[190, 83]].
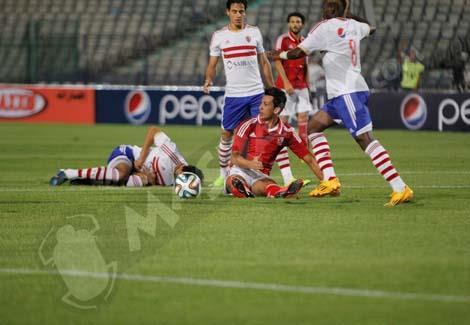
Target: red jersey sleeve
[[296, 145], [241, 135]]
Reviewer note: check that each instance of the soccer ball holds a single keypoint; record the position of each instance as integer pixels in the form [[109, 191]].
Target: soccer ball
[[187, 185]]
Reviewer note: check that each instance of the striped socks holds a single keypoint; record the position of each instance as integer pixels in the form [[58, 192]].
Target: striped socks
[[225, 153], [321, 151], [283, 162], [96, 175], [382, 162]]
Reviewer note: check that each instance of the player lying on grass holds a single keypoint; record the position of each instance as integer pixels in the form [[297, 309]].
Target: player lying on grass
[[157, 163], [339, 36], [256, 145]]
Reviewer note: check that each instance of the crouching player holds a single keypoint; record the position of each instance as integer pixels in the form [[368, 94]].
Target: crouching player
[[256, 145], [156, 163]]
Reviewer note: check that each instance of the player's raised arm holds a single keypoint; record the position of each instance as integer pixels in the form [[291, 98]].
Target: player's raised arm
[[148, 142]]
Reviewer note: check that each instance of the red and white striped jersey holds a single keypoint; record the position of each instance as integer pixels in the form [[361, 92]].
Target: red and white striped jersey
[[253, 139], [239, 51], [163, 158]]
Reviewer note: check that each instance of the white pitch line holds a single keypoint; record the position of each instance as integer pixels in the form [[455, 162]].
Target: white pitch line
[[248, 285]]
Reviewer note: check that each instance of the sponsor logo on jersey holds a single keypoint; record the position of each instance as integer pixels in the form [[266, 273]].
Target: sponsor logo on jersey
[[341, 32], [19, 103], [413, 111], [241, 64], [137, 107]]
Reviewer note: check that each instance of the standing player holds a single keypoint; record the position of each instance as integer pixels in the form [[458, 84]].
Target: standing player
[[257, 143], [348, 94], [293, 78], [241, 48], [157, 163]]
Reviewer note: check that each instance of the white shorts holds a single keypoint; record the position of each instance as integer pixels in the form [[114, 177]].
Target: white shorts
[[299, 102], [250, 176]]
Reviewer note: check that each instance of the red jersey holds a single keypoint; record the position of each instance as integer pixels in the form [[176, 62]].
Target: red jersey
[[295, 69], [254, 139]]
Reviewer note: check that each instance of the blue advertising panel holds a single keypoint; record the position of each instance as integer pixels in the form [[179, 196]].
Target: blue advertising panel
[[142, 106]]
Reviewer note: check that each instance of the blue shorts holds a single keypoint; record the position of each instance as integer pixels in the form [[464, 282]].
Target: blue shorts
[[352, 110], [238, 109], [124, 152]]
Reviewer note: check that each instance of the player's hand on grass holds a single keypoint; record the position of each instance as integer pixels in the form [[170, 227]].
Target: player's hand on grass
[[206, 86], [256, 164]]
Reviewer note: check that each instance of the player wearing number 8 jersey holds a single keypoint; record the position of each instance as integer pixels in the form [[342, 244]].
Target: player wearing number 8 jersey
[[339, 36]]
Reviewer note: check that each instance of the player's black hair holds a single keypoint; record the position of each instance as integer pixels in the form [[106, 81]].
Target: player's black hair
[[333, 8], [279, 97], [296, 14], [231, 2], [194, 170]]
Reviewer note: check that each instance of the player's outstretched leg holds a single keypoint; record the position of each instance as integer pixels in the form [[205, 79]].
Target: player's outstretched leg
[[238, 187], [92, 176], [330, 184], [276, 191], [321, 151], [380, 158], [225, 153]]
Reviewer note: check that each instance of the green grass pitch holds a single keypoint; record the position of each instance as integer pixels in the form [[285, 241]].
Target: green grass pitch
[[218, 260]]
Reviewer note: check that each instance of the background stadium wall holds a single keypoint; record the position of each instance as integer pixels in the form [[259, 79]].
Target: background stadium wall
[[440, 111]]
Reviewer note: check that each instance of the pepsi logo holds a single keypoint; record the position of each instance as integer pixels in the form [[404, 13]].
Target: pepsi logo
[[414, 111], [19, 103], [137, 107], [341, 32]]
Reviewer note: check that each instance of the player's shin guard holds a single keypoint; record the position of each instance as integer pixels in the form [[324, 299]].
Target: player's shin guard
[[303, 132], [321, 151], [225, 153], [382, 162], [283, 162], [96, 175]]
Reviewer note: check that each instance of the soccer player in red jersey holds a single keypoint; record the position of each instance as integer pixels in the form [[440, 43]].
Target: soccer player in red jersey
[[293, 78], [257, 143]]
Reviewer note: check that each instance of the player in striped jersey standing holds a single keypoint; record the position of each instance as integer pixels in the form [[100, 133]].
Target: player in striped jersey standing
[[241, 48], [339, 36]]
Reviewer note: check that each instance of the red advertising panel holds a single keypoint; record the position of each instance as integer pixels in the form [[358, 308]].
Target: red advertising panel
[[75, 105]]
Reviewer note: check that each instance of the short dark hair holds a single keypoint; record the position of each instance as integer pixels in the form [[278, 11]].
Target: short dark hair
[[296, 14], [333, 8], [279, 97], [194, 170], [231, 2]]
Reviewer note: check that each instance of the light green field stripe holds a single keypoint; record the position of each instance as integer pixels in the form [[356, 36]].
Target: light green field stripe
[[377, 294]]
